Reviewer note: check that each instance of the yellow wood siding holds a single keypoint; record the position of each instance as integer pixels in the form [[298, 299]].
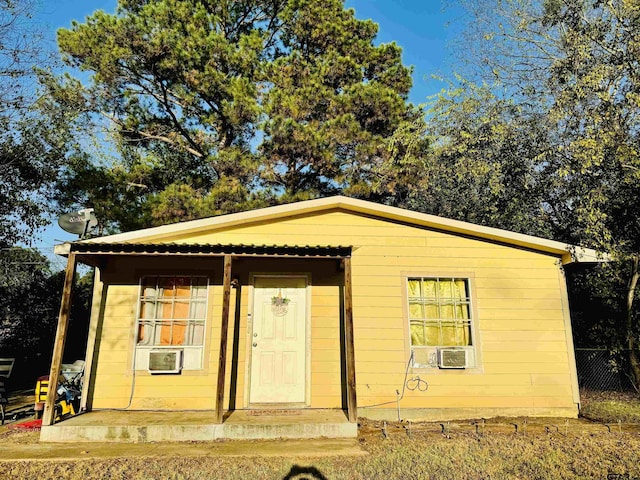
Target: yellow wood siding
[[325, 347], [522, 349]]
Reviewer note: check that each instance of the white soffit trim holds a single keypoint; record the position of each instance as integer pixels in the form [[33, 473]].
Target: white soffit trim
[[62, 249], [166, 233]]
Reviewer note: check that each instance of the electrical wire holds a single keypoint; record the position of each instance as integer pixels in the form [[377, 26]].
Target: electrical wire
[[418, 385], [133, 387]]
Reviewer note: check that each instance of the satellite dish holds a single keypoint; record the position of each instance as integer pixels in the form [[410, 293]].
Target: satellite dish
[[80, 222]]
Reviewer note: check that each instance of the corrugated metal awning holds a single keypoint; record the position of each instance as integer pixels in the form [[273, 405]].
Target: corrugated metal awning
[[298, 251]]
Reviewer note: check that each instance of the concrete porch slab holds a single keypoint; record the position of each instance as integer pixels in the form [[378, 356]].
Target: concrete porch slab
[[140, 427]]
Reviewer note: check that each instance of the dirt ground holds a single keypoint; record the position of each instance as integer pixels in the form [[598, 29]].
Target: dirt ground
[[541, 448], [25, 445], [518, 448], [374, 438]]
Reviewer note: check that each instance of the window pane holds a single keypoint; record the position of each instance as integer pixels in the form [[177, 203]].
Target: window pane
[[145, 333], [148, 310], [198, 310], [198, 334], [414, 287], [465, 337], [150, 292], [417, 334], [445, 289], [446, 311], [462, 312], [429, 286], [456, 334], [181, 309], [431, 312], [449, 334], [165, 333], [461, 289], [416, 311], [157, 333], [164, 310], [179, 330], [432, 334]]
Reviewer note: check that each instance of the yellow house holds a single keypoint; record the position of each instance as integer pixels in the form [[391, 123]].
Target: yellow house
[[333, 303]]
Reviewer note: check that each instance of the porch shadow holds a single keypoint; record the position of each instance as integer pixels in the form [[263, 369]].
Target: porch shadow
[[343, 351], [233, 387]]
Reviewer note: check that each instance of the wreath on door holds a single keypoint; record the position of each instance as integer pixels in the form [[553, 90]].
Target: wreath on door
[[280, 304]]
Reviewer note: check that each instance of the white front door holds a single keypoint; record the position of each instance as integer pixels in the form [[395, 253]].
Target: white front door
[[278, 341]]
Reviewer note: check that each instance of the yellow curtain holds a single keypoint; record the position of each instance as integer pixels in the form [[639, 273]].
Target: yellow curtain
[[439, 312], [416, 312], [454, 312]]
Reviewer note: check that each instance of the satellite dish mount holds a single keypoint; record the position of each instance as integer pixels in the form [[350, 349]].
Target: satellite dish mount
[[81, 222]]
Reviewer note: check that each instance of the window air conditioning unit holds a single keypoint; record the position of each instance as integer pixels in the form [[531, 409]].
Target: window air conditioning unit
[[165, 361], [454, 358]]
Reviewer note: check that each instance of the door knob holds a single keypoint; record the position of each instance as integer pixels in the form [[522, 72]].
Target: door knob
[[255, 344]]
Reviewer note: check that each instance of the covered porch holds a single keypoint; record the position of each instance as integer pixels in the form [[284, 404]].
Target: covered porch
[[221, 419]]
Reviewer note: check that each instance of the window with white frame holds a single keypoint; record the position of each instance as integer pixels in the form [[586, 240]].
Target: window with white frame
[[172, 311], [439, 317]]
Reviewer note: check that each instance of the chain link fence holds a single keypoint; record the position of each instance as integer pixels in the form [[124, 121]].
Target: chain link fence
[[601, 371]]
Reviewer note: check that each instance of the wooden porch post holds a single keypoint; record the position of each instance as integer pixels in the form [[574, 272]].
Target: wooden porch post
[[224, 329], [352, 404], [48, 415]]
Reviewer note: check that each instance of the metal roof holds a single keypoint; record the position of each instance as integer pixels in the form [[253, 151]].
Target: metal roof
[[173, 232], [126, 248]]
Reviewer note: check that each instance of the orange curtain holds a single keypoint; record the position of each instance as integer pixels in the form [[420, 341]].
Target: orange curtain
[[166, 309], [179, 291], [181, 310]]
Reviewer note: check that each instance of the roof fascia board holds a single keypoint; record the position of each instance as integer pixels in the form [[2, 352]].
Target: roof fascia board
[[218, 222], [62, 249], [569, 253]]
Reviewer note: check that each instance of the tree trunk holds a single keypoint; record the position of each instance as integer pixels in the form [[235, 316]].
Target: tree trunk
[[634, 361]]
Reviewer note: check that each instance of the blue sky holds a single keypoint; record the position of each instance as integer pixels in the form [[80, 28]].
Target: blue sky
[[420, 27], [423, 29]]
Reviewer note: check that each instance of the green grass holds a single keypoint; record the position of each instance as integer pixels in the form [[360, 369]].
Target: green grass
[[611, 407]]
